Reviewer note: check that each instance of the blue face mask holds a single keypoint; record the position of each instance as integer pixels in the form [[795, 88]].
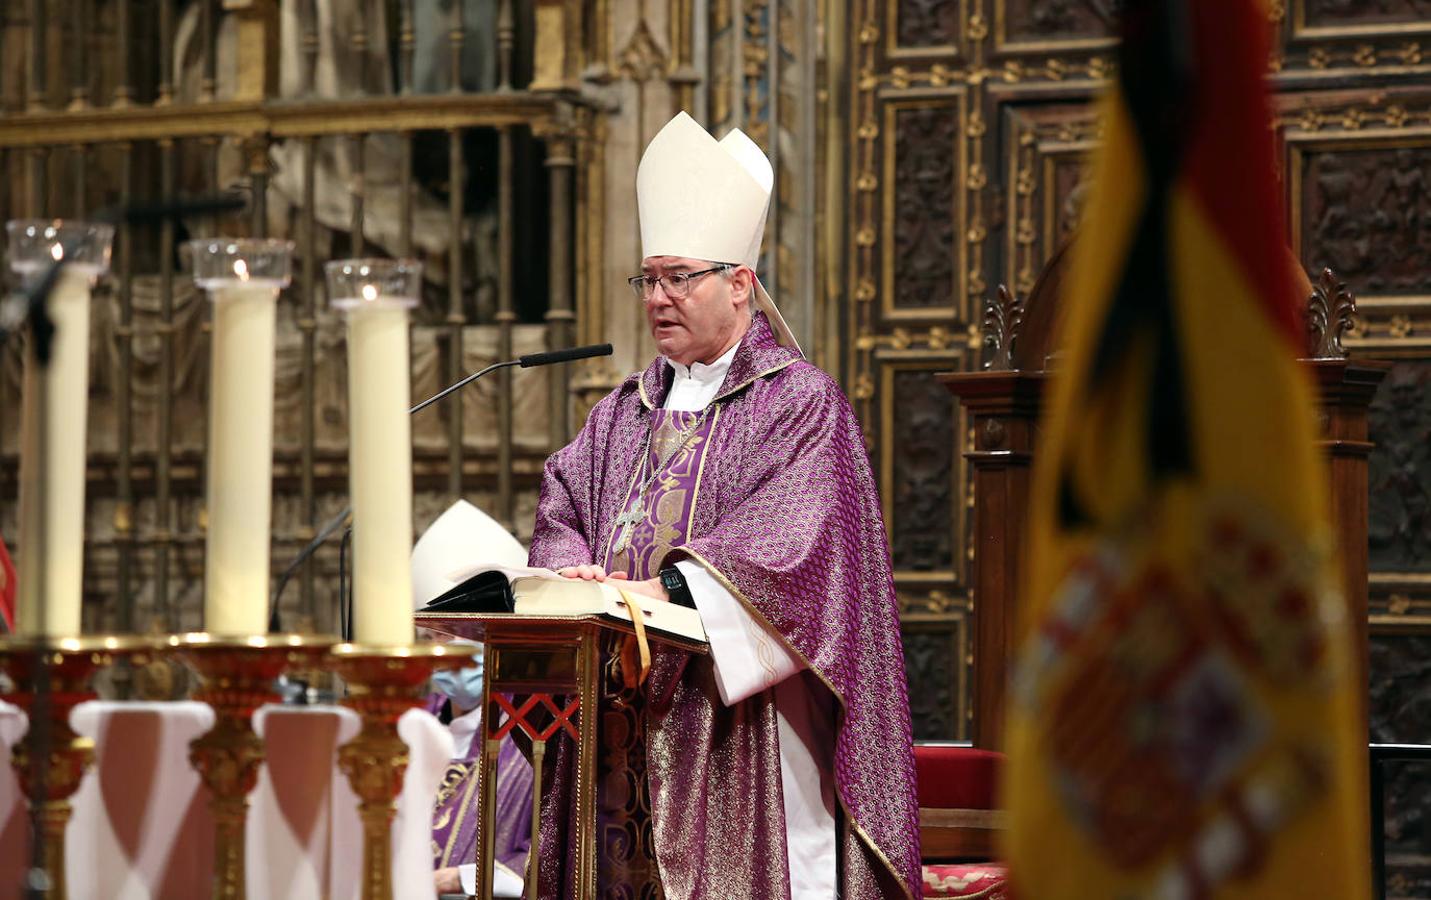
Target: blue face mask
[[462, 686]]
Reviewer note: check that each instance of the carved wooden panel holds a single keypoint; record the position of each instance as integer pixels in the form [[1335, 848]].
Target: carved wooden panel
[[1033, 25], [1400, 711], [1046, 149], [1067, 182], [1359, 191], [1366, 213], [924, 25], [911, 294], [1400, 478], [1351, 17], [923, 470], [923, 484], [924, 164], [934, 660]]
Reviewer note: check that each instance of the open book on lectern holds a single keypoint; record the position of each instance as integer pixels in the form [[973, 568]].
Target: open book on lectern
[[541, 592]]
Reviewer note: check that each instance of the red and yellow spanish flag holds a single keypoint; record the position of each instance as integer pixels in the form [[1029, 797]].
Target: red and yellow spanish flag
[[1183, 718]]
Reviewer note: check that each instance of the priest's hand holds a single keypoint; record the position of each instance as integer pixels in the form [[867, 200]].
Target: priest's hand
[[589, 573], [448, 881], [651, 587]]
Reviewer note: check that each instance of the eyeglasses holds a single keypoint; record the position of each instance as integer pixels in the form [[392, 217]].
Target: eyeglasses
[[676, 286]]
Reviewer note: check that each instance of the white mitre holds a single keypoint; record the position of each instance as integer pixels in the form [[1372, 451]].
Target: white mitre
[[461, 539], [707, 199]]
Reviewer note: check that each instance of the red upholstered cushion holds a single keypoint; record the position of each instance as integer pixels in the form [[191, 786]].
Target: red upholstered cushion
[[956, 777], [987, 881]]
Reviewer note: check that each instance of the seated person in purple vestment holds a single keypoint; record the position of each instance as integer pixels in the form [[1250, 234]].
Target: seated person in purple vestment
[[731, 475], [458, 703], [460, 535]]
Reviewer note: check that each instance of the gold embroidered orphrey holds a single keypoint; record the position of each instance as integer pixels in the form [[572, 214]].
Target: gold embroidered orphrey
[[634, 516]]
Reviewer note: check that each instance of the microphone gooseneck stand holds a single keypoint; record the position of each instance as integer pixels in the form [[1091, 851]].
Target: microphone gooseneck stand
[[345, 609]]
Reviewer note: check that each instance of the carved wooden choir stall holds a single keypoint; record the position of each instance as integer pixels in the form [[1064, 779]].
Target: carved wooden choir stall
[[1003, 404]]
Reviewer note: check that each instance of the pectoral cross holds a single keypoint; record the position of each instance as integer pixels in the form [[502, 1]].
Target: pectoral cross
[[628, 522]]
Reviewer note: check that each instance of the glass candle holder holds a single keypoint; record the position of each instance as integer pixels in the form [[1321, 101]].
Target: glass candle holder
[[36, 244], [354, 283], [234, 262], [375, 295], [243, 278], [52, 421]]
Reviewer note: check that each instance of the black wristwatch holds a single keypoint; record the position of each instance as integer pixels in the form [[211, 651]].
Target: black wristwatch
[[676, 588]]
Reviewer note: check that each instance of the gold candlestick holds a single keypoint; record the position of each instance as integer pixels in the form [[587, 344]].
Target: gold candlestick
[[68, 664], [383, 683], [238, 675]]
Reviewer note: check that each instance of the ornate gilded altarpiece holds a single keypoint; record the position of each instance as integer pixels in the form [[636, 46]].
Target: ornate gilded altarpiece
[[968, 131]]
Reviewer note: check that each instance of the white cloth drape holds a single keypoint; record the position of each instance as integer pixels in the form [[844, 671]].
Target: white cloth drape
[[141, 827]]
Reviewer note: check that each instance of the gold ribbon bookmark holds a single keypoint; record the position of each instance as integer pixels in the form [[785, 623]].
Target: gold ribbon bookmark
[[635, 653]]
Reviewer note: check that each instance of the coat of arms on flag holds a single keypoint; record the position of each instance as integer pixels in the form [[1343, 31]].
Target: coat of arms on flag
[[1146, 683]]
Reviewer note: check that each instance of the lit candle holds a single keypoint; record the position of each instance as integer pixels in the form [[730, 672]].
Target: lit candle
[[376, 295], [50, 563], [243, 278]]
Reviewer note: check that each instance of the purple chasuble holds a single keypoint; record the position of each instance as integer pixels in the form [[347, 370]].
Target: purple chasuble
[[774, 497], [455, 815]]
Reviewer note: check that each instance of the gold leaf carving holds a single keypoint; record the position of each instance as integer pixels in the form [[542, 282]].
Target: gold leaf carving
[[978, 27]]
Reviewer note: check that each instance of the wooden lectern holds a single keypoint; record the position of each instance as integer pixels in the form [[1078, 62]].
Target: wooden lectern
[[543, 678]]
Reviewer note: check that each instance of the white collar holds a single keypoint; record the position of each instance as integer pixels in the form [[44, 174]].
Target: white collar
[[706, 374]]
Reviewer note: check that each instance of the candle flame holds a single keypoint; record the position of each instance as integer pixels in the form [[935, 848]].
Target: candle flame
[[370, 292], [241, 269]]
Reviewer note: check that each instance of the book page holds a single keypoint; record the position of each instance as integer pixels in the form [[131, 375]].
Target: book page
[[460, 575], [577, 597]]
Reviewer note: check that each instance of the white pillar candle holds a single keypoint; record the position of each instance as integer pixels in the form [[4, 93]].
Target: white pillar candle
[[50, 568], [243, 277], [380, 472], [240, 468]]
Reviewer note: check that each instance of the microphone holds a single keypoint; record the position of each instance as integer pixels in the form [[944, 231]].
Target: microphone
[[547, 358], [177, 208], [570, 354], [526, 362]]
